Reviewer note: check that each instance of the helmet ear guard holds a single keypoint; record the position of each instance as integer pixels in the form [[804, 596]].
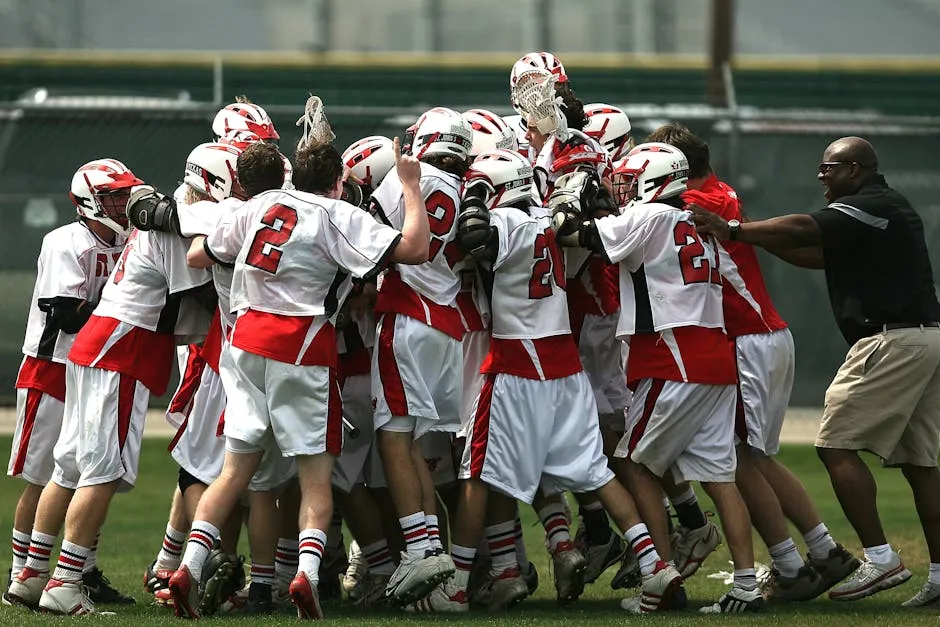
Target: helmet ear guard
[[354, 194]]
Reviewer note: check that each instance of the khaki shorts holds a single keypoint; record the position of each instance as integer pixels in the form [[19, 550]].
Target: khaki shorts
[[886, 398]]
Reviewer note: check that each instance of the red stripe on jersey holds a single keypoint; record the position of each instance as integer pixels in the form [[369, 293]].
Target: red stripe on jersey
[[350, 364], [740, 316], [556, 356], [481, 427], [334, 417], [649, 404], [596, 290], [472, 319], [212, 346], [179, 434], [126, 388], [43, 375], [392, 386], [146, 356], [396, 296], [32, 409], [220, 430], [706, 356], [182, 400], [282, 338]]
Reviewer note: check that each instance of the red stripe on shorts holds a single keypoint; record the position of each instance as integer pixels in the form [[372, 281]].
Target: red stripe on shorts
[[126, 388], [32, 409], [392, 385], [181, 403], [481, 427], [334, 417], [656, 388]]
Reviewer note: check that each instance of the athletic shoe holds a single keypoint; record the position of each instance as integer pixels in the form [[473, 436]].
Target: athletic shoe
[[156, 579], [531, 578], [694, 546], [443, 598], [661, 591], [356, 569], [502, 591], [628, 575], [929, 594], [871, 578], [736, 601], [185, 593], [222, 576], [600, 557], [332, 570], [569, 565], [5, 599], [304, 595], [416, 577], [163, 597], [806, 585], [838, 565], [100, 590], [66, 597], [26, 588], [280, 593], [370, 589]]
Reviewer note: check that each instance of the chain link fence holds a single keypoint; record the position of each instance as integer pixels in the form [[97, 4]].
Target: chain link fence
[[769, 156]]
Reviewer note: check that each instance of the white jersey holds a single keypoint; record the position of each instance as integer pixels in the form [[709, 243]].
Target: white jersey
[[73, 263], [528, 299], [151, 269], [293, 252], [202, 218], [437, 279], [669, 274]]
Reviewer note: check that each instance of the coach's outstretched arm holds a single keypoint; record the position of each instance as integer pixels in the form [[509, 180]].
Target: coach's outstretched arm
[[415, 240]]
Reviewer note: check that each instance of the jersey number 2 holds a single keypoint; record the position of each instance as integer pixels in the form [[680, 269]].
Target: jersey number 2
[[695, 266], [279, 222], [442, 212], [547, 261]]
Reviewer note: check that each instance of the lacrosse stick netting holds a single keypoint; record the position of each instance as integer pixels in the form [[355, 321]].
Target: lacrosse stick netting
[[534, 92], [317, 128]]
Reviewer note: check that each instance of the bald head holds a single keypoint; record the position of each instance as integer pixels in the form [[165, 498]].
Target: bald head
[[853, 149]]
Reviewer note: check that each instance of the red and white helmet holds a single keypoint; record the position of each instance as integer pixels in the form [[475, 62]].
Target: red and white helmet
[[241, 139], [505, 174], [651, 172], [538, 61], [211, 169], [244, 116], [100, 190], [442, 131], [610, 126], [490, 132], [370, 159]]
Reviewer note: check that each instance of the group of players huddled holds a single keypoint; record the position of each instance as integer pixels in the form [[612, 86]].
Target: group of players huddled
[[414, 337]]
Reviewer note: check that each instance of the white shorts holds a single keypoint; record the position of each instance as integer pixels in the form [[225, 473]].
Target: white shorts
[[417, 371], [198, 448], [102, 426], [685, 427], [528, 433], [476, 346], [765, 378], [273, 471], [350, 466], [38, 423], [603, 361], [191, 364], [299, 405]]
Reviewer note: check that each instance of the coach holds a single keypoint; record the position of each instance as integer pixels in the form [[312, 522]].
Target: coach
[[886, 396]]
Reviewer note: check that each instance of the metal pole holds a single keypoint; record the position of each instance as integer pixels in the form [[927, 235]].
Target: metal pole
[[543, 29], [325, 18], [722, 41], [731, 97], [436, 25], [217, 94]]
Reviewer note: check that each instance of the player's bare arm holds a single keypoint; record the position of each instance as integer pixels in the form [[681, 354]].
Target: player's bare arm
[[415, 239], [197, 257], [782, 233]]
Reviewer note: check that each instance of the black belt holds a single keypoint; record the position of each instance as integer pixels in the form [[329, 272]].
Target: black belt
[[890, 326]]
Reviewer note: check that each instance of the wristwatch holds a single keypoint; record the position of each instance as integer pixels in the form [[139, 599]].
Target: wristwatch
[[734, 227]]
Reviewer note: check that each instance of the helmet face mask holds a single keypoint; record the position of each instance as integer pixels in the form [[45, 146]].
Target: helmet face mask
[[100, 190], [211, 170], [500, 178], [651, 172]]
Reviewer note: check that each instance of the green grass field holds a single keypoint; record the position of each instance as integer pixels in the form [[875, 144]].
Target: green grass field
[[135, 526]]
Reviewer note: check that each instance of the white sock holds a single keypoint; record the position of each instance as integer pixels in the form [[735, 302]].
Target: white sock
[[92, 562], [745, 579], [819, 542], [171, 553], [202, 537], [20, 551], [786, 558], [40, 548], [312, 542], [934, 576], [880, 554], [434, 531]]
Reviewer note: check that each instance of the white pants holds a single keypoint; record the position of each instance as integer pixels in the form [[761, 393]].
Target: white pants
[[38, 423], [199, 450], [765, 379]]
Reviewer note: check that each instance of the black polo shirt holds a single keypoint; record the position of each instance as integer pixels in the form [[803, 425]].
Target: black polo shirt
[[877, 267]]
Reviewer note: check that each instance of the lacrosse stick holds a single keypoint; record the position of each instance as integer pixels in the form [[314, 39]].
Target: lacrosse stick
[[351, 429], [316, 127], [534, 93]]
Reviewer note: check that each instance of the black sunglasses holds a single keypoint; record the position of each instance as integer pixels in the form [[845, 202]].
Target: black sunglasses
[[826, 166]]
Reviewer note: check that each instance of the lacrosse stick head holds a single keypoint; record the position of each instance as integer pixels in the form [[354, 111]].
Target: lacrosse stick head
[[535, 99], [316, 127]]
